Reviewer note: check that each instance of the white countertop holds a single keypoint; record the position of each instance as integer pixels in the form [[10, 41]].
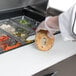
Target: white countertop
[[27, 60]]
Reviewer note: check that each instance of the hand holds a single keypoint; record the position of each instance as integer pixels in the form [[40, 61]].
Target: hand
[[50, 24]]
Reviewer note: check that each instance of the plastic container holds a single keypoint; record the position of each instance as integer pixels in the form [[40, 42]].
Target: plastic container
[[15, 30], [7, 43], [27, 22]]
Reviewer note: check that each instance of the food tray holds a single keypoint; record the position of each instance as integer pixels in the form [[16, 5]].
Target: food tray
[[26, 22], [6, 42], [14, 30], [15, 33]]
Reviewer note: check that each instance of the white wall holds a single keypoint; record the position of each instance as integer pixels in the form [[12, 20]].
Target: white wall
[[62, 5]]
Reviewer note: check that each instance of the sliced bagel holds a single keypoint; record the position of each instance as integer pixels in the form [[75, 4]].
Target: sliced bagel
[[43, 42]]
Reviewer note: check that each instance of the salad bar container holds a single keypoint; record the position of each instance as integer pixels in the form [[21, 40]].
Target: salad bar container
[[16, 26]]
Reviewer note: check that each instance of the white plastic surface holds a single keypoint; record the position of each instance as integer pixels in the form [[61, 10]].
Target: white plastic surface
[[28, 60]]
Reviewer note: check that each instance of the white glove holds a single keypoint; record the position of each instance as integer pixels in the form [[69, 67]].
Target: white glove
[[50, 24], [66, 21]]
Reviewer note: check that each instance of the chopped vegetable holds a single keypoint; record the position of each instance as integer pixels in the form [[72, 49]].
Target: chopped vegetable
[[7, 44], [24, 22], [29, 41], [12, 47]]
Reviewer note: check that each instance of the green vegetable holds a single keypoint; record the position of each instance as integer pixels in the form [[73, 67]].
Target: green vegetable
[[24, 22]]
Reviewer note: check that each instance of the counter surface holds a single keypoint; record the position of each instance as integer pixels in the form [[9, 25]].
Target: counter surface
[[28, 60]]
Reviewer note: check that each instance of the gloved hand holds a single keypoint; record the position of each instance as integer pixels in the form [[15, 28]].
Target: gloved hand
[[50, 24]]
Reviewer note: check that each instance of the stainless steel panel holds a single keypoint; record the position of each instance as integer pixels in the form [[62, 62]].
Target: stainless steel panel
[[32, 2], [66, 67], [9, 4]]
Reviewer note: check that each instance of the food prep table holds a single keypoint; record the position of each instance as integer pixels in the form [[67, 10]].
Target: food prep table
[[28, 60], [24, 59]]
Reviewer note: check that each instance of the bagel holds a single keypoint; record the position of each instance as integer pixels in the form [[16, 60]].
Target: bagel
[[43, 42]]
